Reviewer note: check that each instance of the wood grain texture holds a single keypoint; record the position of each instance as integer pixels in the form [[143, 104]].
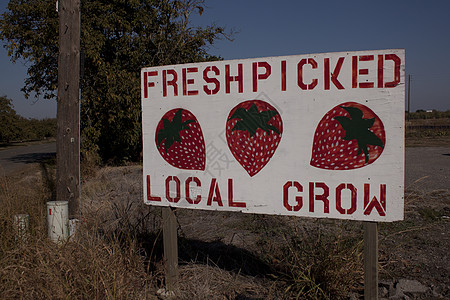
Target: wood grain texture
[[370, 260], [67, 142], [170, 242]]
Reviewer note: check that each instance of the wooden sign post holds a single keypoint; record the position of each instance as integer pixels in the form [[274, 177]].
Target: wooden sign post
[[170, 241], [67, 141], [370, 260]]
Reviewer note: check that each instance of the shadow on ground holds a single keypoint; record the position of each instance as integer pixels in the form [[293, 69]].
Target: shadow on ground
[[8, 145], [227, 257], [30, 158]]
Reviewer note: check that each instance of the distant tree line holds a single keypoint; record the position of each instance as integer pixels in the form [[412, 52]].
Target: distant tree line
[[15, 128], [434, 114]]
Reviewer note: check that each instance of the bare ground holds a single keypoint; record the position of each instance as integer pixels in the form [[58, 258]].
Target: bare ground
[[226, 255]]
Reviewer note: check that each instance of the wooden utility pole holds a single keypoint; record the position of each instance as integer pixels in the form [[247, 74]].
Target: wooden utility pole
[[68, 109]]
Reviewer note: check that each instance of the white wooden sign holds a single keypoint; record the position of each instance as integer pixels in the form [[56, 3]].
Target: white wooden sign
[[315, 135]]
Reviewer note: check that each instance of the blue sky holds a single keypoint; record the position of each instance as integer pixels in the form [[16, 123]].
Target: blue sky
[[274, 28]]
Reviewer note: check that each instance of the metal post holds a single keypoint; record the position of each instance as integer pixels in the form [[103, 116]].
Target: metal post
[[409, 95]]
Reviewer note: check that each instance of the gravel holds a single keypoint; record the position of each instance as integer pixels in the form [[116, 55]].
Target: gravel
[[427, 168]]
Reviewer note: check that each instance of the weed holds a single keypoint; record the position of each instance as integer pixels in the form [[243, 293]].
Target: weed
[[117, 252], [430, 214], [88, 266], [310, 263]]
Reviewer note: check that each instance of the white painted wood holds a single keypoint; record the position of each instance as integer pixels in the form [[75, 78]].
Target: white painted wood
[[301, 111]]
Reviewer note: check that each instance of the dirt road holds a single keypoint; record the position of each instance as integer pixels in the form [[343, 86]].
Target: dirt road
[[17, 157], [427, 168]]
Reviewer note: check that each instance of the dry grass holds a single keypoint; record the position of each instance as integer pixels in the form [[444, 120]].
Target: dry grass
[[212, 282], [427, 132], [85, 268], [88, 266], [317, 259], [117, 252]]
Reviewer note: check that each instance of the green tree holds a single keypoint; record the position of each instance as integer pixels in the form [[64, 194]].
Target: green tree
[[34, 129], [118, 38], [9, 121]]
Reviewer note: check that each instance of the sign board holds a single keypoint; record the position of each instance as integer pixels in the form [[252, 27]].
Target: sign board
[[314, 135]]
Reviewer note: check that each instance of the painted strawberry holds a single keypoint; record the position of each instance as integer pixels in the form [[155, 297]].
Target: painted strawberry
[[179, 140], [253, 131], [349, 136]]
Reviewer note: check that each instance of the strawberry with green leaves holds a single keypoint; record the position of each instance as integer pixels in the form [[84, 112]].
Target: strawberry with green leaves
[[349, 136], [253, 130], [179, 140]]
